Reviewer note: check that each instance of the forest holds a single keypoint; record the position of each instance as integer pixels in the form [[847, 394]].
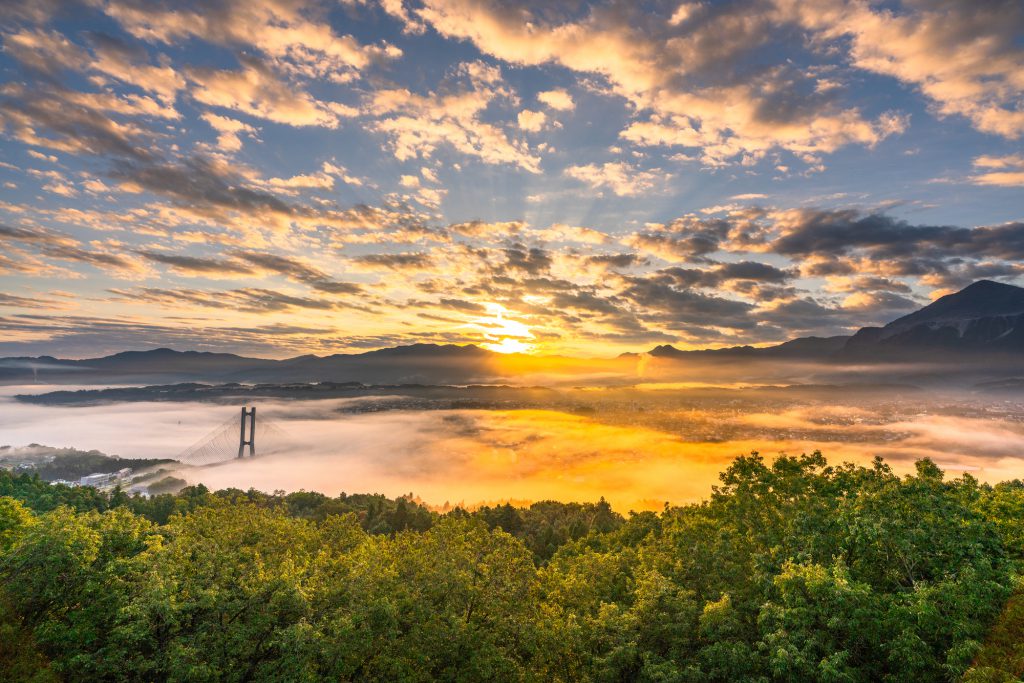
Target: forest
[[791, 570]]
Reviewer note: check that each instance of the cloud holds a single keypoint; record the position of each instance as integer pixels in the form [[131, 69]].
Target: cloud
[[1000, 171], [691, 75], [416, 125], [712, 278], [615, 260], [964, 56], [129, 64], [531, 121], [685, 238], [66, 248], [560, 232], [51, 53], [15, 301], [202, 185], [257, 300], [255, 90], [342, 174], [46, 52], [132, 182], [621, 178], [228, 131], [559, 100], [407, 261], [532, 260], [804, 231], [304, 181], [196, 265], [284, 31], [883, 304], [655, 301], [83, 336], [298, 271], [75, 122], [491, 230]]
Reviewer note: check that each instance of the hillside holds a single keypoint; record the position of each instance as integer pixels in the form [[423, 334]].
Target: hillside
[[985, 316]]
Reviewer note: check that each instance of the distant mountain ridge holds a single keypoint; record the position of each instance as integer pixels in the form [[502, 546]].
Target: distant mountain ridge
[[802, 347], [985, 317], [415, 363]]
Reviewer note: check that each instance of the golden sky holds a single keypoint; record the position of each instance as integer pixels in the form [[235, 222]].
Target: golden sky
[[280, 177]]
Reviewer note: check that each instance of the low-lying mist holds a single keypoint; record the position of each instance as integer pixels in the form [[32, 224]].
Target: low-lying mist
[[637, 453]]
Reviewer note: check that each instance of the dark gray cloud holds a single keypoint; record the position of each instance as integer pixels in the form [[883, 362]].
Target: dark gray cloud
[[407, 261], [298, 271], [712, 277], [690, 238], [72, 123], [658, 302], [462, 305], [881, 236], [531, 260], [874, 283], [623, 260], [194, 264], [14, 301], [33, 235], [581, 300], [197, 183], [65, 248], [249, 299]]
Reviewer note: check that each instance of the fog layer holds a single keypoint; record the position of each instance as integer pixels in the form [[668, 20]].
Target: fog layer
[[472, 456]]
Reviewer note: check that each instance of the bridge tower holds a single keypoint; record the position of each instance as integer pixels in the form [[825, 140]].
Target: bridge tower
[[251, 441]]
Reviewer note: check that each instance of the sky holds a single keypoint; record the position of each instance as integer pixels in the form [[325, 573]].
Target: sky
[[281, 177]]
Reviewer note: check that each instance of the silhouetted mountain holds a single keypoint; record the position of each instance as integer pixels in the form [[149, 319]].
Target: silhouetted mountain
[[802, 347], [417, 363], [985, 316]]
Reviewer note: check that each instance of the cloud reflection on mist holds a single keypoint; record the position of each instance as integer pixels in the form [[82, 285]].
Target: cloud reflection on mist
[[468, 456]]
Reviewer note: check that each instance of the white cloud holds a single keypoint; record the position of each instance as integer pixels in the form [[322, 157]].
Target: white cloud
[[687, 77], [228, 130], [416, 125], [1004, 171], [963, 55], [256, 90], [283, 30], [531, 121], [559, 100], [619, 177]]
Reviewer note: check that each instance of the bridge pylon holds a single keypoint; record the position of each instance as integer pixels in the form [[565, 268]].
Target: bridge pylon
[[250, 417]]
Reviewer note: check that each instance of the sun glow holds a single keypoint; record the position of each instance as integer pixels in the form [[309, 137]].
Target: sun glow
[[502, 334], [508, 345]]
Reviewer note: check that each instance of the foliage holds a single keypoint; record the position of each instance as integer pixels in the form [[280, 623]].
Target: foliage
[[792, 570], [70, 464]]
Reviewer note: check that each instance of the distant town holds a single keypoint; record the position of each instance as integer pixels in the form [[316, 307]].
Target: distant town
[[72, 467]]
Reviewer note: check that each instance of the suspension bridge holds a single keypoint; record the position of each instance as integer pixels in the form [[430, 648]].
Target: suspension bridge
[[237, 437]]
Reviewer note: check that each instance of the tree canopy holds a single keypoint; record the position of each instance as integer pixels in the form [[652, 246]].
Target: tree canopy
[[792, 570]]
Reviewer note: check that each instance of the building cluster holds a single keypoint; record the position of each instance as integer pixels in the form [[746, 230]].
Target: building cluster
[[101, 480]]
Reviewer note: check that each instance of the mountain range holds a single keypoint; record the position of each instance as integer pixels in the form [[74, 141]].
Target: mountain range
[[986, 316], [982, 320]]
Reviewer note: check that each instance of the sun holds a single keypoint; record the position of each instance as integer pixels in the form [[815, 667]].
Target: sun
[[502, 334], [508, 345]]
